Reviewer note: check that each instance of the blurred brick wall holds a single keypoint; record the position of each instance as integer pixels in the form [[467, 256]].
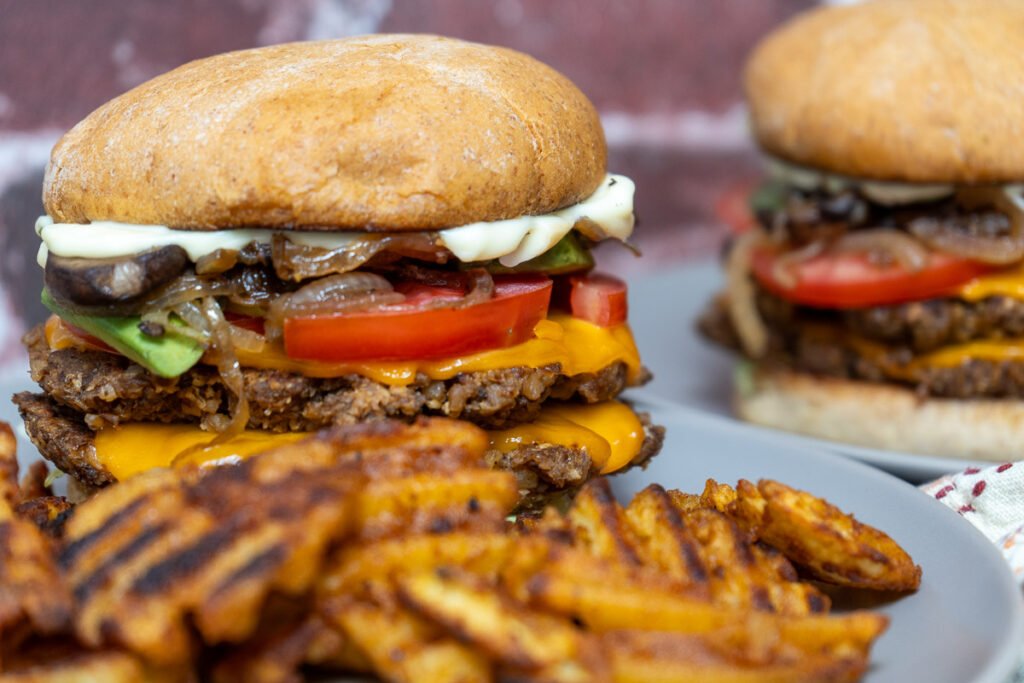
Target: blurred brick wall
[[664, 73]]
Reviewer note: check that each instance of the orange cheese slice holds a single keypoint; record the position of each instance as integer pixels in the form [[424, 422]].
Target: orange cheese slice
[[1008, 283], [576, 345], [610, 431]]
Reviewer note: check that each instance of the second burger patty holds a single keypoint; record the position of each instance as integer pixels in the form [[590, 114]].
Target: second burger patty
[[543, 471], [796, 340], [107, 388]]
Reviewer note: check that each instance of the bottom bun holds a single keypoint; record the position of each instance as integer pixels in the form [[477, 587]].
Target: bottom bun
[[880, 415]]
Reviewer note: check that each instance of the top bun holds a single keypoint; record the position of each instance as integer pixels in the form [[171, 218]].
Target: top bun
[[386, 132], [903, 90]]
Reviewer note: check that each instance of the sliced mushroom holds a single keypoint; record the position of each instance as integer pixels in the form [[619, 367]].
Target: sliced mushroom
[[111, 281]]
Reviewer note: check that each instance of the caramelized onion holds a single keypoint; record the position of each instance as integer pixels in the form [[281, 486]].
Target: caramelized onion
[[1004, 248], [217, 262], [188, 287], [221, 352], [422, 246], [247, 340], [333, 294], [782, 269], [743, 313], [481, 288], [888, 242], [297, 262], [477, 284]]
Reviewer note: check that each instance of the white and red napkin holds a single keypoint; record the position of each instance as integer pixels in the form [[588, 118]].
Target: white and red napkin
[[992, 499]]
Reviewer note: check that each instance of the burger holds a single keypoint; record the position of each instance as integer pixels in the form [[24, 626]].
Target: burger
[[878, 299], [267, 242]]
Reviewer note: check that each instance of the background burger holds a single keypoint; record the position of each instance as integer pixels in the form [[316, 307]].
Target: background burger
[[267, 242], [881, 296]]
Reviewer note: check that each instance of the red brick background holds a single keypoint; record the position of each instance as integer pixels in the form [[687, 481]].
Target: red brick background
[[664, 74]]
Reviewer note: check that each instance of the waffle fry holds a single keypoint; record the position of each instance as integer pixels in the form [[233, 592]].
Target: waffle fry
[[823, 540], [33, 596], [386, 550]]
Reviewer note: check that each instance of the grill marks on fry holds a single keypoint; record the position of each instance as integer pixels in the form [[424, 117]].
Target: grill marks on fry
[[72, 550], [185, 562], [172, 555], [114, 562]]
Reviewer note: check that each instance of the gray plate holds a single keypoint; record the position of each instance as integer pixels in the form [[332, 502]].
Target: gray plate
[[693, 373], [964, 625]]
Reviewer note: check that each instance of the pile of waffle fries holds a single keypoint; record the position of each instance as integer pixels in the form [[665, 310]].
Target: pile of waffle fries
[[387, 549]]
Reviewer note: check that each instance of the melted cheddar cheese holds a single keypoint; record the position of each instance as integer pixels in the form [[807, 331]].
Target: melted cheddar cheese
[[575, 345], [1009, 283], [610, 431]]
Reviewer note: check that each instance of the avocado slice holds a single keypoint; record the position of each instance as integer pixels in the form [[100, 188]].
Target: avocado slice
[[769, 197], [567, 256], [167, 356]]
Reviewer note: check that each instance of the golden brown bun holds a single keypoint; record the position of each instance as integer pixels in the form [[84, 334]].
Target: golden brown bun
[[393, 132], [910, 90], [881, 416]]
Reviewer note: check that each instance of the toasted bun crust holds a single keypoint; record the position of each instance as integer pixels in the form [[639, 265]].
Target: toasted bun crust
[[882, 416], [387, 132], [907, 90]]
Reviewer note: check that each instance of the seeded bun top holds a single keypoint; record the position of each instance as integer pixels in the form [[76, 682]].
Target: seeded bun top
[[904, 90], [386, 132]]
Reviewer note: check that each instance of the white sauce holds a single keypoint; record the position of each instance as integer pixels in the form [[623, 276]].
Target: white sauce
[[887, 193], [608, 213]]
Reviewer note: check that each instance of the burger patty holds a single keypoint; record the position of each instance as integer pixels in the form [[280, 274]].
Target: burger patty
[[920, 326], [109, 388], [542, 470], [823, 348], [809, 217], [928, 325]]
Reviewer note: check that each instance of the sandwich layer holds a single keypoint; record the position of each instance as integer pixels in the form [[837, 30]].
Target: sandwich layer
[[391, 132], [822, 346], [901, 90], [880, 415], [543, 466], [107, 387]]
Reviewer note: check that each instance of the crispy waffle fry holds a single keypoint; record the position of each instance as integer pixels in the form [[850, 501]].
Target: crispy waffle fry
[[663, 540], [208, 545], [826, 542], [405, 648], [503, 629], [33, 595], [600, 524], [64, 663], [743, 574], [275, 655], [8, 466], [48, 513], [385, 549], [656, 657]]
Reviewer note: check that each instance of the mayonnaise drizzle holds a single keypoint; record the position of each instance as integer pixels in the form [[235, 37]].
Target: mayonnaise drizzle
[[607, 213]]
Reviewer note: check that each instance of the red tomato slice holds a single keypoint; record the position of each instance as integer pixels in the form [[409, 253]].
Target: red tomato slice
[[87, 338], [598, 298], [853, 281], [409, 331]]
